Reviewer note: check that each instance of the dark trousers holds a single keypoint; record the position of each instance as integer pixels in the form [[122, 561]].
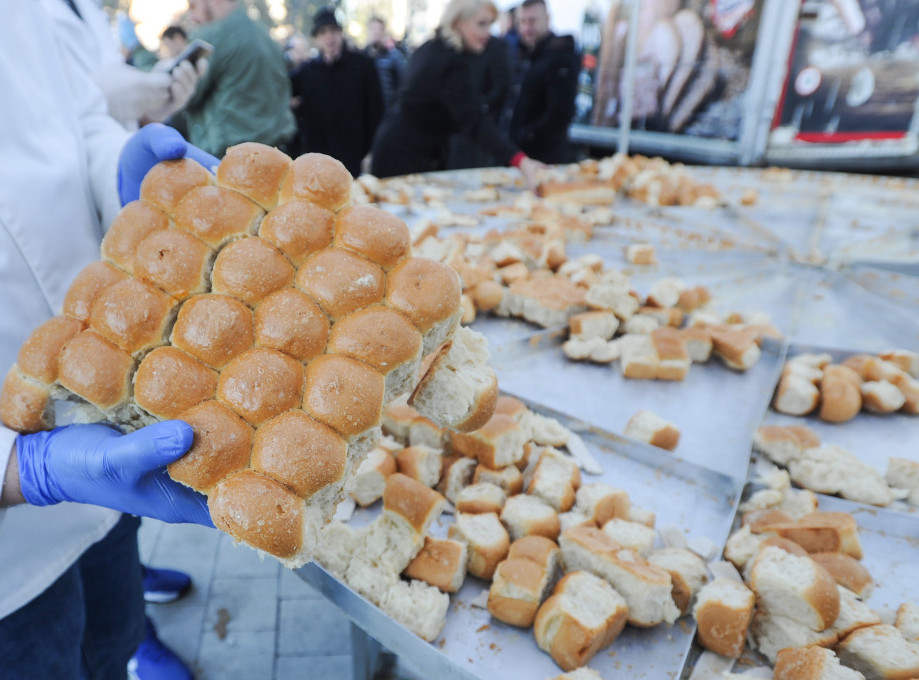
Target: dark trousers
[[88, 623]]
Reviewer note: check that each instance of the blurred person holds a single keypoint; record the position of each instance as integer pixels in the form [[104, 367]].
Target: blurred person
[[491, 73], [173, 41], [135, 54], [541, 105], [245, 94], [297, 51], [389, 59], [71, 596], [439, 98], [339, 94], [507, 28]]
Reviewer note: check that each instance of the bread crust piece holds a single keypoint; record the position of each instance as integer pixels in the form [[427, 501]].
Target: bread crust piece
[[25, 405], [260, 384], [255, 509], [441, 563], [136, 221], [298, 229], [516, 591], [251, 269], [301, 453], [378, 235], [217, 215], [96, 370], [254, 170], [562, 629], [221, 446], [213, 328], [319, 179], [723, 612], [341, 281]]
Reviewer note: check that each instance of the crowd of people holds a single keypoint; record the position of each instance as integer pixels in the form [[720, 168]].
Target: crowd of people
[[82, 124]]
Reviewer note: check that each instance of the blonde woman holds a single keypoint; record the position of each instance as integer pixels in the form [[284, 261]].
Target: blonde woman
[[439, 98]]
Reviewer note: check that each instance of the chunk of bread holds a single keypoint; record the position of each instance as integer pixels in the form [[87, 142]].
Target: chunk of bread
[[736, 347], [630, 535], [441, 563], [337, 542], [517, 589], [698, 343], [508, 478], [823, 532], [831, 469], [640, 253], [723, 611], [906, 360], [497, 444], [853, 614], [370, 479], [460, 389], [795, 587], [672, 354], [645, 587], [847, 572], [742, 546], [420, 607], [480, 498], [526, 515], [487, 540], [840, 396], [648, 427], [584, 615], [638, 358], [908, 621], [783, 444], [539, 549], [421, 463], [457, 475], [796, 395], [602, 502], [555, 478], [881, 396], [811, 663], [688, 574], [880, 653], [904, 473], [598, 324], [771, 633]]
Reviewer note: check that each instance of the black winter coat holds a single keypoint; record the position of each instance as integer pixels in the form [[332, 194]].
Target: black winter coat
[[341, 105], [545, 86], [438, 98]]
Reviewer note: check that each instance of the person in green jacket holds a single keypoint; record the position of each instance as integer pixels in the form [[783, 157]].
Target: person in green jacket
[[245, 94]]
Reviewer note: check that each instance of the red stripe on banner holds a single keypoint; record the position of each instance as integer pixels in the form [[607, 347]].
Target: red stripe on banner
[[840, 137]]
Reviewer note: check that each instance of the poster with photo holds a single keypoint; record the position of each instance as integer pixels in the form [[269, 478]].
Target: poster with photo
[[693, 60], [854, 73]]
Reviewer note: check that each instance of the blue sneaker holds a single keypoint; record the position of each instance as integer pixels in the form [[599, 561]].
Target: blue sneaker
[[155, 661], [164, 585]]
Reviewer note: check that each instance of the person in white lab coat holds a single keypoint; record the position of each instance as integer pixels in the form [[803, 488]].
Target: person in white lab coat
[[70, 600]]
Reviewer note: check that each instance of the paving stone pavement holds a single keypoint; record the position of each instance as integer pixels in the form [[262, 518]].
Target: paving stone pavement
[[248, 618]]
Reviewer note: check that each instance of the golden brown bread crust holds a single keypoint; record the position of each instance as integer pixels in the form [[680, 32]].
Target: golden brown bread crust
[[437, 563], [169, 181], [379, 336], [134, 315], [96, 370], [216, 215], [251, 269], [136, 221], [343, 393], [298, 229], [221, 445], [427, 292], [174, 261], [39, 355], [25, 405], [341, 281], [260, 384], [301, 453], [411, 500], [169, 381], [213, 329], [86, 288], [319, 179], [379, 236], [254, 170], [289, 321], [258, 510]]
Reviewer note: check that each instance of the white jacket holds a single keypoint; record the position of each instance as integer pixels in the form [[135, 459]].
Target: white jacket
[[57, 189]]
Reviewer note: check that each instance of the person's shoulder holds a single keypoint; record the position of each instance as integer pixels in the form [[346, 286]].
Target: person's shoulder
[[562, 44]]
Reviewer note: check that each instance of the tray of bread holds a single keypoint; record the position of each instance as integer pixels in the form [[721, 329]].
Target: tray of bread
[[544, 511]]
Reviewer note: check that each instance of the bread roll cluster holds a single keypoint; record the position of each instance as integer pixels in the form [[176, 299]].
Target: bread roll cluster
[[273, 317], [885, 383]]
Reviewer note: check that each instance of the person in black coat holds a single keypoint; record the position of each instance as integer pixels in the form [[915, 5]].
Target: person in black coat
[[439, 98], [545, 85], [340, 101]]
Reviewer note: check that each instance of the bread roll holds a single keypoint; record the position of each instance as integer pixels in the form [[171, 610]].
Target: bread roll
[[298, 229], [217, 216], [25, 404], [497, 444], [86, 288], [344, 394], [260, 384], [457, 475], [841, 400], [379, 236], [214, 329], [96, 370], [881, 396], [167, 182], [136, 221], [319, 179], [441, 563], [428, 293], [340, 281], [254, 170], [133, 315], [40, 354], [584, 615], [415, 504], [251, 269], [723, 612]]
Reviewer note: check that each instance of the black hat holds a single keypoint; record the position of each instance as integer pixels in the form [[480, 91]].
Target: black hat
[[324, 17]]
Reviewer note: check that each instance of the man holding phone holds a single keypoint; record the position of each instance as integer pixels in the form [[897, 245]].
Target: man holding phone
[[245, 94]]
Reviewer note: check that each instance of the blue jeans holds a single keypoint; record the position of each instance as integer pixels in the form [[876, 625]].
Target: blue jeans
[[88, 623]]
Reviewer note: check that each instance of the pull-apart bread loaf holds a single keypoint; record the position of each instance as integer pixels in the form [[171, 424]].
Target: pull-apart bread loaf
[[277, 320]]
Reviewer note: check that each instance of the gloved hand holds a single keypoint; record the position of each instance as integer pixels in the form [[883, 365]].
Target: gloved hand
[[147, 147], [184, 79], [130, 92], [98, 465]]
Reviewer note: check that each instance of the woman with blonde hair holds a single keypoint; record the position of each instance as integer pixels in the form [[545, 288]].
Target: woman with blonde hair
[[439, 98]]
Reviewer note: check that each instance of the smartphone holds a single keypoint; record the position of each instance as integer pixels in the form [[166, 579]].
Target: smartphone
[[195, 50]]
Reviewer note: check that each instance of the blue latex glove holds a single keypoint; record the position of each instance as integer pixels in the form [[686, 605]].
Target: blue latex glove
[[98, 465], [147, 147]]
